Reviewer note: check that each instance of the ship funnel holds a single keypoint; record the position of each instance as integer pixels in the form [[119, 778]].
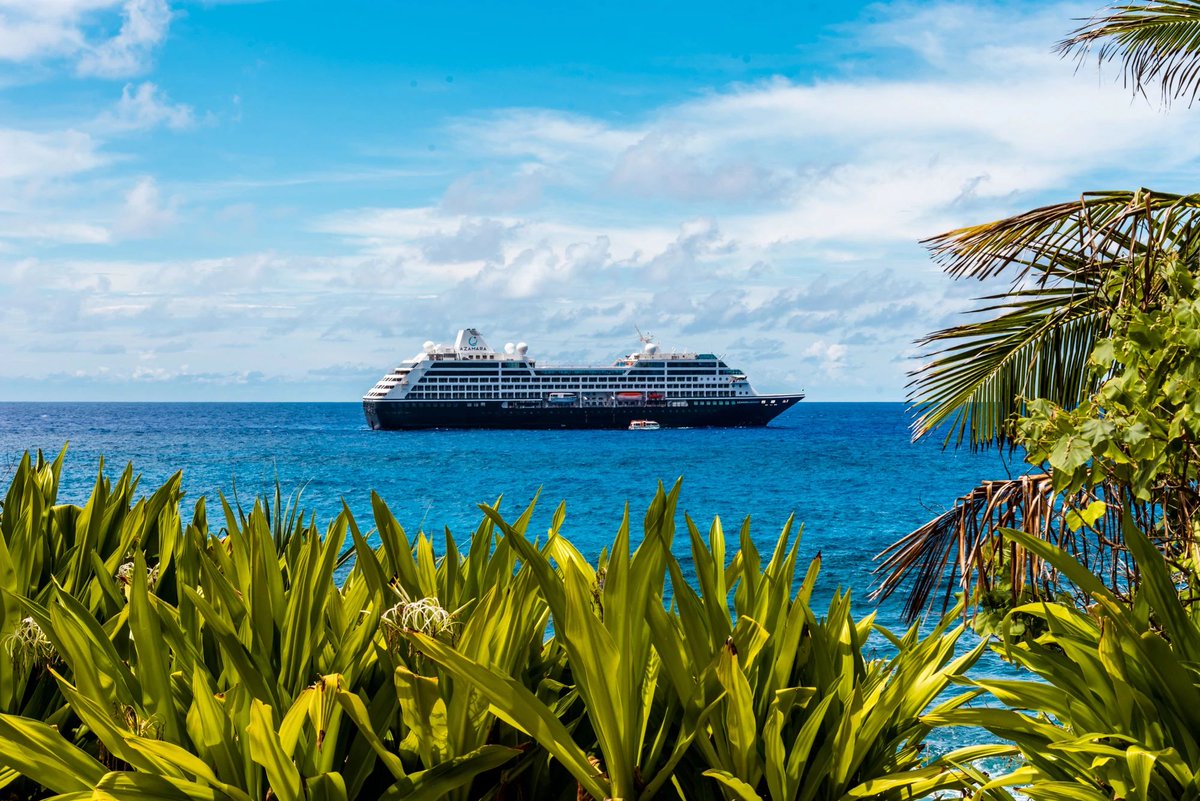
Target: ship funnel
[[469, 340]]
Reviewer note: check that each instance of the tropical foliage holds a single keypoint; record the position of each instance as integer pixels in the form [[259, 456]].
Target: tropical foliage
[[1112, 706], [1157, 41], [1140, 429], [1072, 267], [1084, 363], [148, 658], [1128, 447]]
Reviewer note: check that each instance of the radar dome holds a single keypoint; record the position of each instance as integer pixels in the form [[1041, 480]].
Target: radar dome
[[650, 349], [510, 348], [522, 348], [429, 346]]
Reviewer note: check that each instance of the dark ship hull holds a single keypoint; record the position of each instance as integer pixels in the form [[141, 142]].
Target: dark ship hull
[[384, 415]]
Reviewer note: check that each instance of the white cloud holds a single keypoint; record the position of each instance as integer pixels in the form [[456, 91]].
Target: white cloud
[[490, 191], [27, 37], [67, 232], [778, 218], [43, 30], [26, 155], [829, 356], [547, 135], [672, 163], [145, 213], [143, 373], [144, 26], [145, 106]]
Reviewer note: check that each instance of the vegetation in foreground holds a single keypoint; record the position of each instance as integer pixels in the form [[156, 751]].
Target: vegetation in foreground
[[1087, 363], [144, 657], [149, 657]]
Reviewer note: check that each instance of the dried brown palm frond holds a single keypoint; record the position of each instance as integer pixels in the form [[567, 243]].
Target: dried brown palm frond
[[964, 550], [1157, 41]]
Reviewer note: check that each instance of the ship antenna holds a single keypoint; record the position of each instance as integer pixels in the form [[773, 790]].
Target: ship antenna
[[645, 338]]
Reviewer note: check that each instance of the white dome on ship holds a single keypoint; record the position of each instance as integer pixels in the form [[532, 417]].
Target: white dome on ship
[[650, 349], [510, 348], [522, 348], [429, 346]]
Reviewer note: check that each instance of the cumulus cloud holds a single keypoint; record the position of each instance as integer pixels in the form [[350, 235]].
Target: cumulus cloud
[[143, 107], [777, 219], [475, 240], [143, 27], [41, 30], [145, 212], [828, 356], [30, 30], [982, 112]]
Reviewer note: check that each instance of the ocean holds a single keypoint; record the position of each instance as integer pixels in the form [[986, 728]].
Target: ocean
[[847, 471]]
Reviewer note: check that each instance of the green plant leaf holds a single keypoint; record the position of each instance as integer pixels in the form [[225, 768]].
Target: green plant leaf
[[39, 752]]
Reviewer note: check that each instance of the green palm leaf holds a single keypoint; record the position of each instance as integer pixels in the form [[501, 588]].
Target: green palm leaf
[[1034, 341], [1157, 41]]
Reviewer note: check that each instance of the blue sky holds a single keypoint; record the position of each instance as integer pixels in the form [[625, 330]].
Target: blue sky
[[281, 200]]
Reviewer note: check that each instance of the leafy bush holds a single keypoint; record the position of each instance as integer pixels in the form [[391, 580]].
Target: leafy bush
[[146, 658], [1112, 710]]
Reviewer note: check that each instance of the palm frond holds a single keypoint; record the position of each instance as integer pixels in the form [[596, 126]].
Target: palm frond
[[1099, 227], [951, 549], [1035, 340], [1038, 346], [965, 550], [1157, 41]]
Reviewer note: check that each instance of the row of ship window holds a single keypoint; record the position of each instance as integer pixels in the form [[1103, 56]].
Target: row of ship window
[[494, 364], [429, 395], [697, 403], [482, 369], [640, 380], [573, 374]]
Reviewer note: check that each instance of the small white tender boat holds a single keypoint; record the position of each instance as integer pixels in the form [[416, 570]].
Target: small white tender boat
[[644, 425]]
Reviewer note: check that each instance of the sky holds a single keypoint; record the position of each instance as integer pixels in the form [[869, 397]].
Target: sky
[[282, 200]]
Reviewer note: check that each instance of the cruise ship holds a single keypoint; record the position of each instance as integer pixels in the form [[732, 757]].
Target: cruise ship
[[469, 385]]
